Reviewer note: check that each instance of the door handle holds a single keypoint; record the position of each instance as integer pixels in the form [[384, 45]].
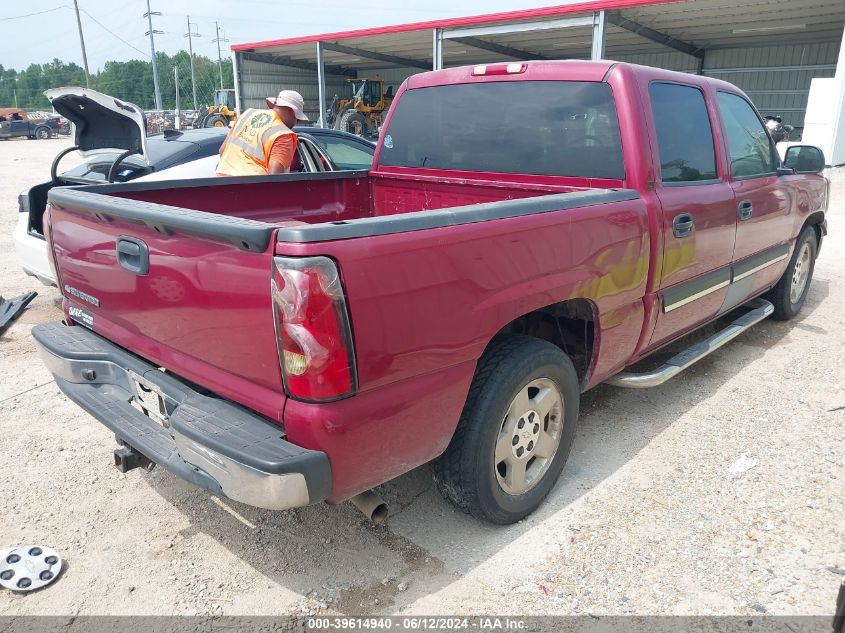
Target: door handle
[[745, 209], [133, 255], [682, 225]]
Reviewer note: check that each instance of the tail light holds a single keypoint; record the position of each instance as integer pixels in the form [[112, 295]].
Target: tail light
[[312, 329]]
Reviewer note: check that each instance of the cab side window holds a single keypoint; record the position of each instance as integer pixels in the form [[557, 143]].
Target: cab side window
[[749, 145], [684, 135]]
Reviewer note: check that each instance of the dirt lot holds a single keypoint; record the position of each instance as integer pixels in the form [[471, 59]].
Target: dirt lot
[[647, 518]]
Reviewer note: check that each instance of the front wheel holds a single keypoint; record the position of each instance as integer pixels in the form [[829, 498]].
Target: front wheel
[[515, 431], [43, 133], [790, 292], [217, 120], [353, 122]]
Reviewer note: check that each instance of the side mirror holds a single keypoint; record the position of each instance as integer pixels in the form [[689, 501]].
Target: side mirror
[[804, 159]]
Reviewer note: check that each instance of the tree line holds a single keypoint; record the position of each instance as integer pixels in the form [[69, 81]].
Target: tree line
[[130, 81]]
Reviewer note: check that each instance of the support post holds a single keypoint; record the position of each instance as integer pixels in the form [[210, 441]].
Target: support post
[[236, 81], [176, 121], [437, 53], [321, 85], [599, 34], [152, 33], [82, 43], [217, 41], [190, 35]]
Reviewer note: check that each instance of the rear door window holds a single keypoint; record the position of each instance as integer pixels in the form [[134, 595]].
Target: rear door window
[[684, 134], [748, 143], [551, 128]]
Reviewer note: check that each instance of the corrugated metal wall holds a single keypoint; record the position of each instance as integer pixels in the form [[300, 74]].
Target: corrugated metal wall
[[777, 78], [392, 76], [261, 79], [670, 60]]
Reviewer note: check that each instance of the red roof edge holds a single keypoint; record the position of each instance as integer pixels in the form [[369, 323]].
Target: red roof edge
[[524, 14]]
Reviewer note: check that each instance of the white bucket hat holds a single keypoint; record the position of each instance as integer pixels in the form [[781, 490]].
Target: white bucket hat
[[289, 99]]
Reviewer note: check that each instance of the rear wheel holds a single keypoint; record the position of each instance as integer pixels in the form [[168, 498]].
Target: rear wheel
[[42, 133], [789, 294], [515, 432]]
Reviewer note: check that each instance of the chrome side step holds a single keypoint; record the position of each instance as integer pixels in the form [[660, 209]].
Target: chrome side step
[[679, 362]]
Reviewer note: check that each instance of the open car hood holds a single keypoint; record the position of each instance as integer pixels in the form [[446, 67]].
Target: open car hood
[[101, 121]]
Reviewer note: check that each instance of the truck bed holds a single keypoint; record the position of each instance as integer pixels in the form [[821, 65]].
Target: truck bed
[[348, 204]]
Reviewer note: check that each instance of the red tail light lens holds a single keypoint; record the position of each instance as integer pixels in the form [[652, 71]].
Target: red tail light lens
[[312, 328]]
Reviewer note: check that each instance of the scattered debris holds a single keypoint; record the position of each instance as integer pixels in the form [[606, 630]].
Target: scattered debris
[[29, 567], [10, 309], [742, 464], [659, 500], [402, 586]]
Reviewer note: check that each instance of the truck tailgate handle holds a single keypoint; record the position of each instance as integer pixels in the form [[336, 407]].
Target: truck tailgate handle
[[682, 225], [133, 255], [745, 209]]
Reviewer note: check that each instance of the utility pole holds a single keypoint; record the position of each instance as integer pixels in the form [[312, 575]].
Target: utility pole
[[190, 34], [217, 40], [176, 82], [82, 43], [152, 33]]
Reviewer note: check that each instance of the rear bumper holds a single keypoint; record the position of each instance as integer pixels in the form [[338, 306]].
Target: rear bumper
[[209, 442]]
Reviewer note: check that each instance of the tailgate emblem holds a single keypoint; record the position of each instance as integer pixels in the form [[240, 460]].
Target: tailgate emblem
[[82, 295]]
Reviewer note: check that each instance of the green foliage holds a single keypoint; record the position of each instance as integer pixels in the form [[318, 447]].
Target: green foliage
[[131, 81]]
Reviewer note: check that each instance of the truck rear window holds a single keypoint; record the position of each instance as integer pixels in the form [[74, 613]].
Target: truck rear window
[[550, 128]]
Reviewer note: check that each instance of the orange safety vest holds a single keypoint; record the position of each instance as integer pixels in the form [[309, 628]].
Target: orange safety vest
[[247, 150]]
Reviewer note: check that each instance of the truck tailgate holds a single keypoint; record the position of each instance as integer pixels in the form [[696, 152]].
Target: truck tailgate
[[201, 309]]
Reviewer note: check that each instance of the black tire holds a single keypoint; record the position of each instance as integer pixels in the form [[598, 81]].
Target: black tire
[[216, 120], [42, 133], [353, 122], [466, 473], [781, 296]]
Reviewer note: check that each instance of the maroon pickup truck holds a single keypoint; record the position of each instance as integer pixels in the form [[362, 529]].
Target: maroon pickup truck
[[526, 232]]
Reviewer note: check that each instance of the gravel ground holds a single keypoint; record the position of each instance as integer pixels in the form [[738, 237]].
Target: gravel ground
[[647, 519]]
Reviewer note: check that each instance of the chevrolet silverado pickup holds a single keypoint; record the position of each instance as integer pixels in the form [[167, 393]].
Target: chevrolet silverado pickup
[[526, 232]]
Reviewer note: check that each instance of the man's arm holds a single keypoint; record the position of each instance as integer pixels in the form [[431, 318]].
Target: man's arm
[[281, 155]]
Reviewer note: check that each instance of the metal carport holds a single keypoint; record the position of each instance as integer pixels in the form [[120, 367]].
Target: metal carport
[[770, 49]]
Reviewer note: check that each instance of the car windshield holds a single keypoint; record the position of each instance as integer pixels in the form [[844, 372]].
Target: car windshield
[[554, 128]]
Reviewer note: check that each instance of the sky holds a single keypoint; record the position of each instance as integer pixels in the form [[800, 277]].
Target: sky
[[39, 30]]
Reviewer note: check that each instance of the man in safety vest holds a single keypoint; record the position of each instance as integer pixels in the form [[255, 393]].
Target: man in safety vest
[[262, 141]]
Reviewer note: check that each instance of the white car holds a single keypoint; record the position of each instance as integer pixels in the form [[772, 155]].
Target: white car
[[111, 136]]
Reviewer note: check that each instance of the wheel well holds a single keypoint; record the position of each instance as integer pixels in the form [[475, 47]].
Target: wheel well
[[815, 220], [569, 324]]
